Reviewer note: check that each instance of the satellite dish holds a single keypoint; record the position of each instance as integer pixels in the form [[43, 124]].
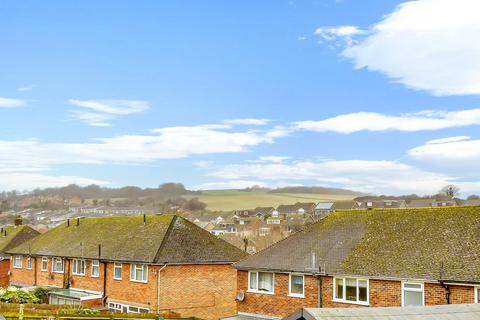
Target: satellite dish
[[240, 296]]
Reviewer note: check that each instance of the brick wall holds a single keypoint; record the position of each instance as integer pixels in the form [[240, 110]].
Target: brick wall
[[382, 293]]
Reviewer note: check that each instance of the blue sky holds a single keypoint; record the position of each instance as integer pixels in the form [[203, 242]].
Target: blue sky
[[377, 96]]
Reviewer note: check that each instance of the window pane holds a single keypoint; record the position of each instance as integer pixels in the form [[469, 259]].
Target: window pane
[[478, 295], [338, 288], [118, 271], [296, 284], [412, 298], [253, 280], [362, 290], [412, 286], [351, 289], [265, 281]]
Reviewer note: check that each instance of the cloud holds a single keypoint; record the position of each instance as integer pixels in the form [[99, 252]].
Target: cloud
[[11, 103], [247, 121], [340, 35], [410, 122], [30, 181], [101, 112], [27, 88], [429, 45], [363, 175], [234, 184], [457, 152]]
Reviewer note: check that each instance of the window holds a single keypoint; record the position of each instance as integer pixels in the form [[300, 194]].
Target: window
[[17, 262], [29, 262], [350, 290], [261, 282], [117, 307], [296, 285], [138, 272], [78, 267], [477, 294], [412, 294], [117, 271], [44, 263], [95, 268], [57, 265]]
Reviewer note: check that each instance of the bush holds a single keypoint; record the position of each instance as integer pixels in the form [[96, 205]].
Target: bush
[[15, 295], [41, 294], [86, 311]]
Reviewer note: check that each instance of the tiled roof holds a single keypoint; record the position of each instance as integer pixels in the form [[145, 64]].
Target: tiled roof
[[12, 236], [433, 243], [161, 239]]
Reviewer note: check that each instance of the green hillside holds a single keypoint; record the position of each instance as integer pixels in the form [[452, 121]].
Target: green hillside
[[227, 200]]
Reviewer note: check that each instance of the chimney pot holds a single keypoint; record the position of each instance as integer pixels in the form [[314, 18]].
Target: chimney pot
[[18, 220]]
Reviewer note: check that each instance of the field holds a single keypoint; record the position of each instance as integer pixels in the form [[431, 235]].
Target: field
[[227, 200]]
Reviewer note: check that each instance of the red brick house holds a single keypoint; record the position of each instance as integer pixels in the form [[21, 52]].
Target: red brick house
[[151, 263], [376, 258], [12, 236]]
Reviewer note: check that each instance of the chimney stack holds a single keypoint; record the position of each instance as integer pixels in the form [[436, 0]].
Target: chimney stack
[[18, 221]]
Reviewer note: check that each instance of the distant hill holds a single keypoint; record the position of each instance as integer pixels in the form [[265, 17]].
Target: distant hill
[[317, 190]]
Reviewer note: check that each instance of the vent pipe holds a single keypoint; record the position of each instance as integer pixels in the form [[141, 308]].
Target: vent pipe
[[78, 222], [99, 250], [144, 219], [68, 222]]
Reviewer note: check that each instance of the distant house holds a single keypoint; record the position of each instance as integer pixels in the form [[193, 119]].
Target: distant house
[[12, 236], [135, 264], [243, 213], [224, 227], [323, 209], [470, 202], [420, 203], [375, 258], [380, 204], [263, 211], [299, 208]]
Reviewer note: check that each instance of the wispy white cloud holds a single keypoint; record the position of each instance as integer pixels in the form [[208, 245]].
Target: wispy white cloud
[[247, 121], [340, 35], [101, 112], [429, 45], [363, 175], [11, 103], [29, 87], [233, 184], [29, 181], [371, 121]]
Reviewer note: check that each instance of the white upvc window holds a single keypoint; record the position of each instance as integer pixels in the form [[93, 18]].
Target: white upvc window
[[44, 264], [476, 294], [138, 272], [351, 290], [29, 262], [261, 282], [95, 268], [296, 285], [17, 262], [117, 271], [58, 265], [413, 294], [78, 267]]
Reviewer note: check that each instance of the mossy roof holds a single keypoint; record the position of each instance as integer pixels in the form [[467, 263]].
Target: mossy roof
[[426, 243], [161, 239], [12, 236]]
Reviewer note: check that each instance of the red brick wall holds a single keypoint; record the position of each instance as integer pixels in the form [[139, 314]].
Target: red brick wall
[[382, 293], [4, 269]]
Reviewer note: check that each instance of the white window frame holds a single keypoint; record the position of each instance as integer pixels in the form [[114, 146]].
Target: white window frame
[[95, 264], [344, 291], [290, 293], [476, 294], [44, 260], [15, 265], [422, 290], [29, 262], [54, 262], [259, 291], [117, 265], [76, 264], [134, 266]]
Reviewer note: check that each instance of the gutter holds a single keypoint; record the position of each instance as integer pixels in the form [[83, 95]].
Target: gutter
[[447, 290], [158, 286]]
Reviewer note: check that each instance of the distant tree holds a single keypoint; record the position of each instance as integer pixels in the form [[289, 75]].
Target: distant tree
[[95, 202], [450, 190], [194, 205], [473, 197]]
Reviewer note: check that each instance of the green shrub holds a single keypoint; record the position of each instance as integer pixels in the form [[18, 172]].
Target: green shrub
[[86, 311], [16, 295]]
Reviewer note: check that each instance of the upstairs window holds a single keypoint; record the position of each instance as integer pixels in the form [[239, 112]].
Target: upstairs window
[[412, 294], [296, 285], [117, 271], [350, 290], [58, 265], [44, 263], [17, 262], [29, 262], [95, 268], [261, 282], [138, 272], [78, 267]]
